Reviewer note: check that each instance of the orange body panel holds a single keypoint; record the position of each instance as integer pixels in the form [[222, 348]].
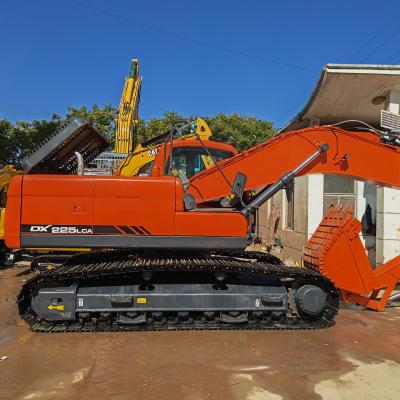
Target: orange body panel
[[103, 205], [204, 223], [57, 199], [143, 201]]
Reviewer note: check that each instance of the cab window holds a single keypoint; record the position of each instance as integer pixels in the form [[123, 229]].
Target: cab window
[[189, 161]]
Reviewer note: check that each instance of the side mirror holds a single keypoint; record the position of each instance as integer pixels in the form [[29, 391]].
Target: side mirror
[[239, 184]]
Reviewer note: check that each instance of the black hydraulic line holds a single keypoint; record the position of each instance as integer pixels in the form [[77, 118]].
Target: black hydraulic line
[[171, 143], [283, 181]]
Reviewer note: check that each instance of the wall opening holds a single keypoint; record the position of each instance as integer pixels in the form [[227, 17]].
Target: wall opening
[[338, 190], [289, 207]]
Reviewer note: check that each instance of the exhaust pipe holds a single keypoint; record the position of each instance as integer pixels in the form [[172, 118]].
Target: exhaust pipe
[[80, 163]]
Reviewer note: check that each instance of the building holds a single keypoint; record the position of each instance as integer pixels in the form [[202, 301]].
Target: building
[[342, 93], [105, 163]]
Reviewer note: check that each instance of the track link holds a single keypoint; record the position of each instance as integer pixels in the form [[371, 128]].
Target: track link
[[101, 266]]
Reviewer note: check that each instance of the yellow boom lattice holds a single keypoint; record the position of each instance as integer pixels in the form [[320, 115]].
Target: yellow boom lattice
[[128, 119]]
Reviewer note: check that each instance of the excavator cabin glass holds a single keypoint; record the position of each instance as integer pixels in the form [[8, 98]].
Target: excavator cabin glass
[[189, 161]]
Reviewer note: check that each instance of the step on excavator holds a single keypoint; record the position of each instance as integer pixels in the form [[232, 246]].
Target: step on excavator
[[170, 255]]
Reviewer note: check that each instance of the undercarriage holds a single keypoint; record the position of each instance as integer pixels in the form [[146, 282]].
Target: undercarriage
[[121, 291]]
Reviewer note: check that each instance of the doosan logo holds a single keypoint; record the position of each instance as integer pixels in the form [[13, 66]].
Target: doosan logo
[[40, 228], [70, 230]]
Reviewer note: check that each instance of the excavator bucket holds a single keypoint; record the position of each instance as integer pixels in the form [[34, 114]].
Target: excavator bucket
[[336, 251]]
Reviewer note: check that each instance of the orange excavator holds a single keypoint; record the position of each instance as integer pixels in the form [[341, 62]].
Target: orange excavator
[[170, 254]]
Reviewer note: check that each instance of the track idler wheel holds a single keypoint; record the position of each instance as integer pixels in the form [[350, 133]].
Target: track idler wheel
[[311, 300]]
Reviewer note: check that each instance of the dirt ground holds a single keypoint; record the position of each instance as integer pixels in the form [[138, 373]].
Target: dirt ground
[[359, 358]]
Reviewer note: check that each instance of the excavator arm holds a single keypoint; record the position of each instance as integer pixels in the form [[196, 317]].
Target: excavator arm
[[335, 249]]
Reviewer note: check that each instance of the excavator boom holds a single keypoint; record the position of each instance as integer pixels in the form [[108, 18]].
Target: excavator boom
[[128, 118], [335, 249], [360, 155]]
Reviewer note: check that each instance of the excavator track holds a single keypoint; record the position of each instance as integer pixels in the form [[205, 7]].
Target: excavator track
[[103, 267]]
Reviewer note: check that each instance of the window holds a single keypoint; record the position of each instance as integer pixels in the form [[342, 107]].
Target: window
[[338, 184], [188, 161], [146, 169], [289, 209], [338, 190]]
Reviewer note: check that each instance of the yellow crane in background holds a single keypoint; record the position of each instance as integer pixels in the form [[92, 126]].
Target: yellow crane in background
[[128, 115], [141, 156]]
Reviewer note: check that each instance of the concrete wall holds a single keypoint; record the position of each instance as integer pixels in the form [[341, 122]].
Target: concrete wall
[[293, 240], [388, 224], [388, 204]]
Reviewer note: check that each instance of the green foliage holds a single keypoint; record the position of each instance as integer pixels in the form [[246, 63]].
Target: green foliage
[[102, 118], [19, 139], [240, 131], [157, 126], [6, 132]]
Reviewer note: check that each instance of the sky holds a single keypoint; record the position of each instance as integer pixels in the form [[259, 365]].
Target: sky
[[200, 58]]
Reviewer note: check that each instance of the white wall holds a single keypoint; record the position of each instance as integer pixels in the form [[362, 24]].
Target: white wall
[[315, 202], [367, 194], [388, 224]]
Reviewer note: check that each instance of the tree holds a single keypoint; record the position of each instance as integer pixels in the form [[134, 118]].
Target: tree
[[17, 140], [157, 126], [27, 135], [6, 132], [102, 118], [240, 131]]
